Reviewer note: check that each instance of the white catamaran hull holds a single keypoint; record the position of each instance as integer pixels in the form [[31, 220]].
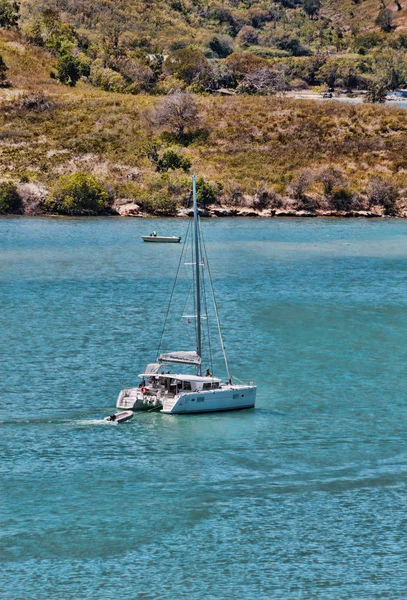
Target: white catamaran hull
[[187, 393], [135, 399], [230, 398]]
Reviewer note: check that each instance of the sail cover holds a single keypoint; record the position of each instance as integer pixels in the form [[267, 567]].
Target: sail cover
[[184, 358]]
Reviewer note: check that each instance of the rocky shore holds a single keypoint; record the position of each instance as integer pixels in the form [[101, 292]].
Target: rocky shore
[[133, 210], [34, 195]]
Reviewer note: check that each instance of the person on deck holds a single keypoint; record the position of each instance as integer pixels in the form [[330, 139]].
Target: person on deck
[[208, 373]]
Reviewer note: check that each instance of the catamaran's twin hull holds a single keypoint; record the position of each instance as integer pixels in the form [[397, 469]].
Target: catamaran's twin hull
[[134, 399], [229, 398], [220, 400]]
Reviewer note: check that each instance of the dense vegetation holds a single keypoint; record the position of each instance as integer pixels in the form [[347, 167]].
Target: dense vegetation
[[125, 94], [252, 46]]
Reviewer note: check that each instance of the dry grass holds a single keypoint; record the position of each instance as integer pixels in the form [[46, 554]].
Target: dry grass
[[253, 141], [362, 15]]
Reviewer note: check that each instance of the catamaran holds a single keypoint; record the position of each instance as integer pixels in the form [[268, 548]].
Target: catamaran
[[181, 392]]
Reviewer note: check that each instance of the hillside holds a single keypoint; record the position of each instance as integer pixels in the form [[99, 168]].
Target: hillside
[[252, 151], [362, 14]]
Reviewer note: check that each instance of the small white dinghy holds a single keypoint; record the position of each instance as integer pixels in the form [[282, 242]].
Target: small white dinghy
[[166, 239], [120, 417]]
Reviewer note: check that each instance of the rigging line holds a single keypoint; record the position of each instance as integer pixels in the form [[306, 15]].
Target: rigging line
[[208, 328], [172, 291], [222, 343], [205, 303]]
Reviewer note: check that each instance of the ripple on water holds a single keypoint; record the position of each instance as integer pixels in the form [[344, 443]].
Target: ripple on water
[[303, 497]]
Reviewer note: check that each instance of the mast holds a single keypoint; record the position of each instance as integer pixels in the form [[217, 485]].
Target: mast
[[197, 275]]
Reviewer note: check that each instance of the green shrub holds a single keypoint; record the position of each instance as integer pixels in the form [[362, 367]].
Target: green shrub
[[9, 14], [68, 69], [106, 78], [205, 192], [10, 201], [189, 65], [221, 45], [78, 194], [172, 160], [160, 204], [342, 199]]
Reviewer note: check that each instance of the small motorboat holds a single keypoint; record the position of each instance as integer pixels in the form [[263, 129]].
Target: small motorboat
[[164, 239], [120, 417]]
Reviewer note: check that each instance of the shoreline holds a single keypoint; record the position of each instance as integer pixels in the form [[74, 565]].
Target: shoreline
[[235, 214]]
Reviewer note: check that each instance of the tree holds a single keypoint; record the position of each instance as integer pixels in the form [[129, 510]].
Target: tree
[[221, 45], [342, 199], [384, 20], [3, 71], [10, 200], [242, 63], [205, 192], [312, 7], [9, 14], [292, 45], [330, 178], [188, 64], [48, 30], [177, 112], [301, 183], [382, 192], [391, 68], [343, 71], [78, 194], [377, 92], [263, 81], [172, 160], [68, 69], [248, 36]]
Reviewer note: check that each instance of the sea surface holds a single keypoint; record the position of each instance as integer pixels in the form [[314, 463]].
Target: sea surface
[[302, 498]]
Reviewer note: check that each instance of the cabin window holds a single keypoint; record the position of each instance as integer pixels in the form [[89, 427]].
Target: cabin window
[[235, 396], [187, 385], [200, 399], [207, 386]]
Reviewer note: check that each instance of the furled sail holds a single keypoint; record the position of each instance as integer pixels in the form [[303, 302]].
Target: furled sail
[[184, 358]]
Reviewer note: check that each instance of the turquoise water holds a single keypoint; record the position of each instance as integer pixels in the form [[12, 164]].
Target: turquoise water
[[303, 497]]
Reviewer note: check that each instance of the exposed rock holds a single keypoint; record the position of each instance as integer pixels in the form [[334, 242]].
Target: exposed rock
[[327, 213], [305, 213], [134, 175], [185, 212], [128, 209], [367, 214], [269, 212], [247, 212], [189, 212], [224, 212], [285, 213]]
